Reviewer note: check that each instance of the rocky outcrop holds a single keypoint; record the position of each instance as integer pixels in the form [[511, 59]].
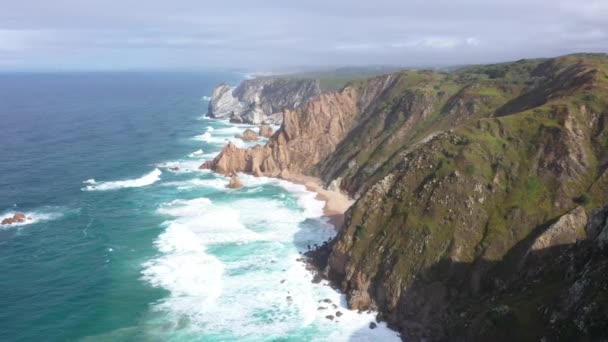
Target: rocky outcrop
[[568, 229], [597, 228], [234, 182], [266, 131], [261, 100], [223, 103], [307, 136], [248, 135], [16, 218]]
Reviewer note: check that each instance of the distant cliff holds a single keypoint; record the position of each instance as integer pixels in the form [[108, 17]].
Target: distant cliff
[[262, 99], [477, 196], [307, 136]]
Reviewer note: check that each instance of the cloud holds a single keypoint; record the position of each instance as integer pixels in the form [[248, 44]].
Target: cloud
[[588, 9], [278, 34], [438, 42], [16, 40], [472, 41]]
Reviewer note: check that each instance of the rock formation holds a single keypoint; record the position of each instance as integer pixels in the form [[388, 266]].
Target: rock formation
[[234, 182], [265, 131], [223, 103], [16, 218], [476, 192], [306, 137], [261, 100], [248, 135]]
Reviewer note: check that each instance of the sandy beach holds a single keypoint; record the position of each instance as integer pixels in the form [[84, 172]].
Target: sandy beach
[[336, 202]]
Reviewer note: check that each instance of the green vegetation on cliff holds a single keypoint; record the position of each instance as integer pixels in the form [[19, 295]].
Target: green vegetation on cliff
[[457, 176]]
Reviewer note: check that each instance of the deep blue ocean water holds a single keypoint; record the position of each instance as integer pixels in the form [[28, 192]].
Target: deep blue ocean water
[[121, 246]]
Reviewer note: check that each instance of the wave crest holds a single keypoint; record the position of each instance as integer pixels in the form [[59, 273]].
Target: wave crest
[[147, 179]]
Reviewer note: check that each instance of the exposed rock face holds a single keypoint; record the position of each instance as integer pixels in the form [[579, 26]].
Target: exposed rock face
[[484, 210], [16, 218], [568, 229], [598, 226], [248, 135], [235, 182], [306, 136], [261, 100], [254, 114], [266, 131], [223, 103]]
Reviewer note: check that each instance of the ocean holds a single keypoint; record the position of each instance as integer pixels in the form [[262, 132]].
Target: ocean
[[128, 241]]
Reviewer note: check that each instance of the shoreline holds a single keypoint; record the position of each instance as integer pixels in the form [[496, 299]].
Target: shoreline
[[336, 202]]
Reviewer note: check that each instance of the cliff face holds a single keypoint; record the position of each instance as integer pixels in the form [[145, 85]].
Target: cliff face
[[261, 100], [462, 227], [475, 194], [305, 137]]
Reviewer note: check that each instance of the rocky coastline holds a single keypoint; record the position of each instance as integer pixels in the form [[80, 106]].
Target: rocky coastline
[[480, 209], [261, 100]]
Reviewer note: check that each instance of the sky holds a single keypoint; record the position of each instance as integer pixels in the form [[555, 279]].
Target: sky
[[257, 35]]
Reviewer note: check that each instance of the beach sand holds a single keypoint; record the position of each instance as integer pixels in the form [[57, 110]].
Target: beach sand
[[336, 202]]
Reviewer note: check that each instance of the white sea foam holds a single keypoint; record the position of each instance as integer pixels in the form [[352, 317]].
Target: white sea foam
[[307, 200], [215, 183], [206, 137], [196, 153], [206, 98], [192, 276], [219, 140], [181, 166], [243, 292], [218, 223], [230, 131], [232, 269], [147, 179]]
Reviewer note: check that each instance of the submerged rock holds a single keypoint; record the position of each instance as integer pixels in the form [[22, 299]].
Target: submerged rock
[[235, 182]]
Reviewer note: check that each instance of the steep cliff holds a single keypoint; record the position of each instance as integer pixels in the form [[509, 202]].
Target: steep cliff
[[474, 191], [444, 232], [305, 137], [262, 99]]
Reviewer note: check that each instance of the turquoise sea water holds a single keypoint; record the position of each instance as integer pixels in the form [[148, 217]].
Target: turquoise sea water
[[123, 247]]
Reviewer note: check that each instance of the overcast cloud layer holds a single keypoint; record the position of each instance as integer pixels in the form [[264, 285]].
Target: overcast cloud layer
[[277, 35]]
